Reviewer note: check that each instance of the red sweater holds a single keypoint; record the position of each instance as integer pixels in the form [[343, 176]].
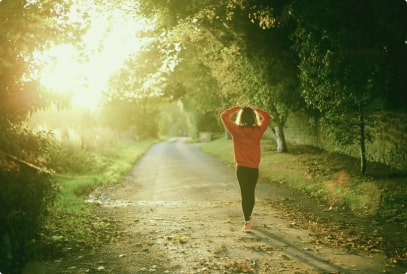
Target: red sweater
[[246, 140]]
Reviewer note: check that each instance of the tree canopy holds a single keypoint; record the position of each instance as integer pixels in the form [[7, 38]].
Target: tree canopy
[[28, 28], [338, 59]]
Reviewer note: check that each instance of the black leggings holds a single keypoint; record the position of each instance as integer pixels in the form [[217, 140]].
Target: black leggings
[[247, 178]]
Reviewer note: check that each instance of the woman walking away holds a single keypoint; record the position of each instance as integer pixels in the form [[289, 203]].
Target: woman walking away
[[246, 133]]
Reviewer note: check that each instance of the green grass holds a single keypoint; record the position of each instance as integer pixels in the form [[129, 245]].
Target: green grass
[[330, 177], [113, 164], [71, 224]]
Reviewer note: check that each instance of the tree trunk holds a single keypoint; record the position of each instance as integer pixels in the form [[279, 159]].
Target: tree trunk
[[280, 139], [362, 143]]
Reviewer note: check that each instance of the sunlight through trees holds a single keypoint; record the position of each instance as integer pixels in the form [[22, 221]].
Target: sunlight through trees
[[116, 70]]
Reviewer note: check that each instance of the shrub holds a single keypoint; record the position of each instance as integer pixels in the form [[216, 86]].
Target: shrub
[[24, 198], [26, 191], [70, 158]]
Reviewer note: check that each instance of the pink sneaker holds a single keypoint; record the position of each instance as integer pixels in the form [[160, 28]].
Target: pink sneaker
[[247, 227]]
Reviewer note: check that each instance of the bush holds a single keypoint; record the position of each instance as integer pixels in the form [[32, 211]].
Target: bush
[[70, 158], [26, 191], [25, 195]]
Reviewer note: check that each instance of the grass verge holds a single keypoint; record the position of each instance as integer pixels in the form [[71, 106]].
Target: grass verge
[[330, 177], [113, 164], [70, 225], [379, 198]]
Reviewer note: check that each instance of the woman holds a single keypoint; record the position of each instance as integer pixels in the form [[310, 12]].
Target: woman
[[246, 133]]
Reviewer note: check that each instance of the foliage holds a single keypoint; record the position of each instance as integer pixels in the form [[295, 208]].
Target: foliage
[[263, 52], [22, 212], [26, 187], [133, 98], [270, 70], [28, 28], [174, 121], [139, 117], [71, 225], [202, 98], [347, 58], [341, 67], [239, 61], [70, 158]]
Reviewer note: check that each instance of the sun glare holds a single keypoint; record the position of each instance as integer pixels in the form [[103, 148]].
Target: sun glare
[[62, 74], [111, 38]]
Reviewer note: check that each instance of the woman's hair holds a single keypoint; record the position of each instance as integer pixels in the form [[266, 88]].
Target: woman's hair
[[247, 117]]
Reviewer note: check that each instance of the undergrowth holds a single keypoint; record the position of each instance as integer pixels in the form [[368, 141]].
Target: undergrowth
[[71, 225]]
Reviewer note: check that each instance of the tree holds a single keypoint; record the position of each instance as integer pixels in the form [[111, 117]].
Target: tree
[[246, 52], [27, 28], [268, 50], [343, 56], [133, 97], [26, 188], [345, 50], [253, 62], [201, 98]]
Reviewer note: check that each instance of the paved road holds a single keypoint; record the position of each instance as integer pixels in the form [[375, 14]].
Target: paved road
[[177, 172], [189, 204]]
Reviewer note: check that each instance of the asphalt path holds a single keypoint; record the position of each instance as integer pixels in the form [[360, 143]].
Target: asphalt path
[[189, 203], [178, 172]]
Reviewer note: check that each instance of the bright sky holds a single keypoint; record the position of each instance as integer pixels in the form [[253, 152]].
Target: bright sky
[[65, 73]]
